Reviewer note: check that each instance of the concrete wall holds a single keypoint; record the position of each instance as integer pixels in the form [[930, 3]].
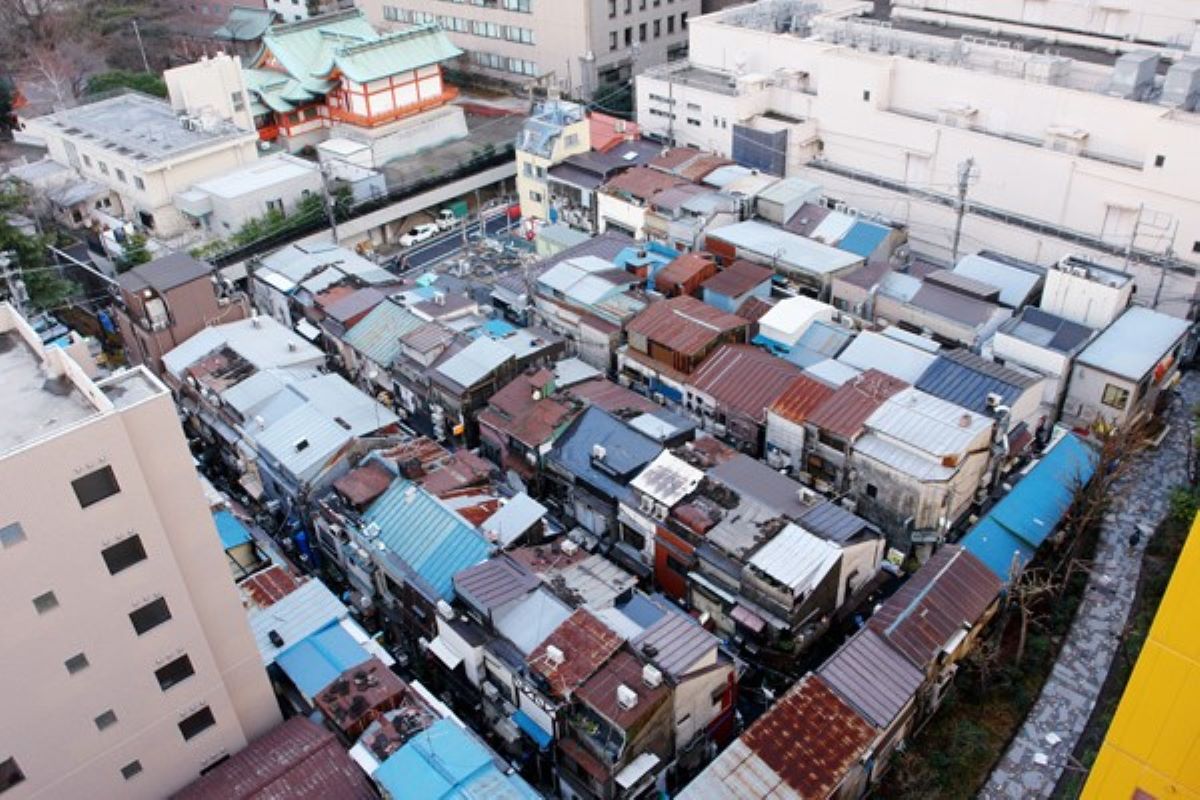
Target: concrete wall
[[787, 438], [211, 85]]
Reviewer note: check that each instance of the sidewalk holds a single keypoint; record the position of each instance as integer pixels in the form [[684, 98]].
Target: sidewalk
[[1037, 756]]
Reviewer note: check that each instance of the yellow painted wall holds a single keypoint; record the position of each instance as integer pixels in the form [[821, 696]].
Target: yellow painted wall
[[1154, 741]]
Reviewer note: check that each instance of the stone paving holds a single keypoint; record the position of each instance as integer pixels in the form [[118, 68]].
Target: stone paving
[[1040, 752]]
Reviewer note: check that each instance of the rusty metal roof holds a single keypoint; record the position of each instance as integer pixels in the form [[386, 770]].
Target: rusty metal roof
[[738, 278], [803, 747], [612, 397], [845, 411], [586, 644], [683, 269], [684, 324], [754, 308], [264, 589], [600, 691], [948, 594], [364, 483], [872, 677], [675, 157], [744, 379], [642, 183], [801, 397]]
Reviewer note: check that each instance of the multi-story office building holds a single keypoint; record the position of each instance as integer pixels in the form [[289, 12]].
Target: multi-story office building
[[129, 664], [579, 46], [1067, 150], [295, 10]]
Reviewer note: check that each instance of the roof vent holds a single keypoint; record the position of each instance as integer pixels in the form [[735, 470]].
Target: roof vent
[[651, 676], [964, 421], [993, 400], [554, 656], [301, 445], [626, 698], [569, 548], [275, 638], [598, 452]]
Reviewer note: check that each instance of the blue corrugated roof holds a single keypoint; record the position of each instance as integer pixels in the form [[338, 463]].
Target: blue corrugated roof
[[625, 452], [1021, 521], [445, 762], [965, 379], [863, 238], [232, 532], [317, 660], [432, 540]]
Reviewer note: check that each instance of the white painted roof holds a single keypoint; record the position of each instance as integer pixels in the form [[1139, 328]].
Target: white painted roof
[[512, 519], [797, 559], [833, 372], [927, 424], [788, 319], [1131, 346], [475, 362], [259, 175], [668, 479], [260, 340], [790, 250], [871, 350]]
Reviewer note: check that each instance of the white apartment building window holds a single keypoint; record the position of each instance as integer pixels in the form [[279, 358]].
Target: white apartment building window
[[103, 167], [124, 554], [612, 8], [10, 774], [176, 671], [196, 723], [683, 20], [11, 535], [87, 159], [670, 25], [76, 663], [138, 182], [131, 769], [45, 602], [121, 175], [106, 720], [612, 40], [150, 616], [518, 5], [95, 486], [535, 196]]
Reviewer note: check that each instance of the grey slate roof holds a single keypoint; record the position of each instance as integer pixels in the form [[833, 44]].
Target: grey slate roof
[[965, 379], [163, 274], [834, 523], [494, 583], [872, 677], [675, 643], [1047, 330]]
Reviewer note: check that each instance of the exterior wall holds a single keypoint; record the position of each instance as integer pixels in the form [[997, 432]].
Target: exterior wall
[[533, 192], [215, 85], [1084, 404], [694, 706], [860, 562], [1084, 301], [622, 214], [191, 307], [878, 116], [230, 213], [785, 442], [58, 748], [1054, 366]]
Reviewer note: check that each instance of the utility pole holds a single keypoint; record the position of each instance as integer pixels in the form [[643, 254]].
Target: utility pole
[[141, 47], [964, 181]]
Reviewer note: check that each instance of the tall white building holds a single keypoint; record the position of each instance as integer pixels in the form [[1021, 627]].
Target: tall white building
[[580, 46], [1078, 151], [128, 662]]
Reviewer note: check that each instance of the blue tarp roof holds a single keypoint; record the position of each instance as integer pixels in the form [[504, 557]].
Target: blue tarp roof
[[317, 660], [232, 532], [542, 737], [863, 238], [427, 536], [445, 762], [1021, 521]]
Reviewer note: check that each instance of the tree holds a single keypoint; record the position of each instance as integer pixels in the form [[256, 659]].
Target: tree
[[46, 288], [1029, 589], [133, 253], [145, 82], [8, 96], [59, 71]]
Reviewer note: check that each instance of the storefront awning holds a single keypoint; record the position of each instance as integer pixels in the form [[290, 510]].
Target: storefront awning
[[447, 656], [542, 737], [748, 619]]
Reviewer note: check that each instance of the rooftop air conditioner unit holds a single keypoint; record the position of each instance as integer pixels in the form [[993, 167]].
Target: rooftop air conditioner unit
[[569, 548], [994, 400], [646, 504], [371, 530], [598, 452], [651, 676], [807, 496], [554, 656], [445, 610], [626, 698]]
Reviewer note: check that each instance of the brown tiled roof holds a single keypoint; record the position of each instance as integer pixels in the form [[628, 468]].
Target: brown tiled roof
[[738, 278], [600, 691], [683, 269], [364, 483], [744, 379], [800, 398], [846, 410], [951, 590], [586, 644], [810, 738], [683, 324], [642, 182], [297, 759]]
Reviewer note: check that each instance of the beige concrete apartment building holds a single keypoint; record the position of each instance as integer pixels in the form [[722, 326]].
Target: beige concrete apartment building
[[128, 663], [1075, 152], [580, 46]]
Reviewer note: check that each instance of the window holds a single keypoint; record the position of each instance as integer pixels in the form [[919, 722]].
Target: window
[[124, 554], [872, 490], [106, 720], [138, 182], [87, 159], [76, 663], [150, 616], [131, 769], [121, 175], [10, 774], [1115, 397], [197, 723], [628, 6], [11, 535], [612, 8], [628, 36], [1196, 247], [683, 20], [45, 602], [174, 672], [612, 45], [866, 95], [642, 32], [670, 25], [657, 28], [103, 167], [95, 486], [1160, 160]]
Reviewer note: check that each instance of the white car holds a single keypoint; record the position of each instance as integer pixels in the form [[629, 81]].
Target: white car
[[421, 233]]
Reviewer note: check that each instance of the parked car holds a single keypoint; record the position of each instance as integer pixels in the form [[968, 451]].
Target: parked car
[[421, 233]]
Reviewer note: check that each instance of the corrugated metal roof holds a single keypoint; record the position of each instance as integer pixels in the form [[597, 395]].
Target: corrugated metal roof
[[753, 478], [1015, 283], [377, 335], [683, 324], [822, 340], [595, 582], [790, 318], [919, 466], [586, 644], [832, 371], [871, 350], [738, 278], [845, 412], [668, 479], [164, 274], [833, 228], [965, 379], [743, 379], [677, 644], [864, 238], [600, 692], [1135, 343], [494, 583], [832, 522], [428, 537], [1047, 330], [231, 532], [513, 519], [1017, 525], [261, 341], [642, 183], [951, 590], [872, 677], [797, 559], [310, 607], [683, 269], [928, 424], [529, 620], [475, 362], [789, 251], [801, 749], [802, 396], [625, 452], [320, 658]]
